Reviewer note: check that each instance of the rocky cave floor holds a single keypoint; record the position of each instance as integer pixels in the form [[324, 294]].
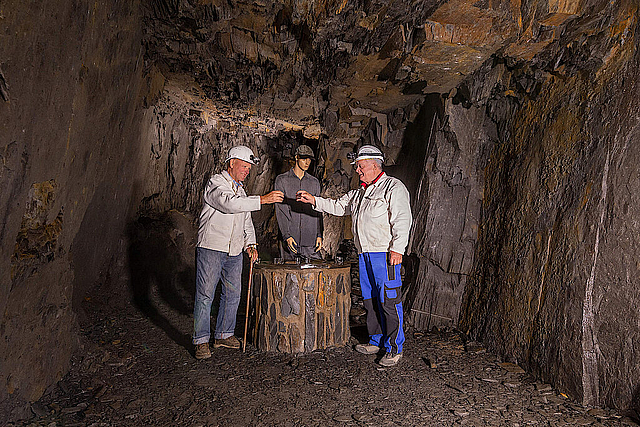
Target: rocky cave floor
[[136, 367]]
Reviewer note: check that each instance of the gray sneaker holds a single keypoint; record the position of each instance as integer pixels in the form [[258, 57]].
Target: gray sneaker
[[390, 359], [231, 342], [202, 351], [367, 348]]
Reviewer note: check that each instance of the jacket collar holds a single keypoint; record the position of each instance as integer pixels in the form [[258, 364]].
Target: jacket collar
[[229, 178], [365, 186]]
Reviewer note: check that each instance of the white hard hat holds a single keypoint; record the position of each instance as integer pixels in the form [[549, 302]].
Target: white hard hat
[[243, 153], [368, 152]]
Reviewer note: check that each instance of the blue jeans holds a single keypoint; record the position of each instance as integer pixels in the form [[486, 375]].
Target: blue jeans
[[382, 300], [211, 267]]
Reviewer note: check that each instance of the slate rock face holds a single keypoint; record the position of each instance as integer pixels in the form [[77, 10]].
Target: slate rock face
[[551, 284], [337, 330], [310, 322], [278, 287], [69, 148], [291, 297], [340, 288], [447, 211], [309, 281]]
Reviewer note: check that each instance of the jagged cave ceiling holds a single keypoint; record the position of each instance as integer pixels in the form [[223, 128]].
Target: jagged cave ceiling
[[288, 59]]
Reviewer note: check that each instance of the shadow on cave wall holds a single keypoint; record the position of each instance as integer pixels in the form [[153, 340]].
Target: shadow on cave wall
[[162, 262], [409, 168], [416, 144], [162, 273]]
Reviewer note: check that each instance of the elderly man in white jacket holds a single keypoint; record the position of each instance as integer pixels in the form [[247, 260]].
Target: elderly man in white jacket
[[381, 219], [225, 230]]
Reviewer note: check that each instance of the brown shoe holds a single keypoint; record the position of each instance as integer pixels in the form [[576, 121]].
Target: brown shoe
[[231, 342], [202, 351], [390, 359], [367, 349]]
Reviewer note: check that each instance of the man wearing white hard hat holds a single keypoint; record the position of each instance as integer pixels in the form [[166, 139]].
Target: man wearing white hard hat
[[381, 220], [224, 231]]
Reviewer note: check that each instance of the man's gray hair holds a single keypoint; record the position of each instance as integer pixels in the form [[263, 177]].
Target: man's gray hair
[[378, 162]]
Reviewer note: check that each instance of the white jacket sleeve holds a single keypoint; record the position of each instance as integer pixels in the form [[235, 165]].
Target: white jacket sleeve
[[249, 231], [337, 207], [399, 218], [226, 201]]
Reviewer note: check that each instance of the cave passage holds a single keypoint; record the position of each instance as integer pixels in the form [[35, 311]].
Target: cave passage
[[514, 125]]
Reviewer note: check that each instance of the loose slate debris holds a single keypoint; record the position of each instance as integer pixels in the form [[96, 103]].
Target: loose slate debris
[[127, 385], [510, 367]]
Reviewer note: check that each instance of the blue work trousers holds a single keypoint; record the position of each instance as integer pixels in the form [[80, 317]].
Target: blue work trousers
[[213, 267], [382, 300]]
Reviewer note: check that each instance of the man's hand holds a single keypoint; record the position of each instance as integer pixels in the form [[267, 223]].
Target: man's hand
[[253, 253], [318, 243], [292, 245], [273, 197], [395, 258], [305, 197]]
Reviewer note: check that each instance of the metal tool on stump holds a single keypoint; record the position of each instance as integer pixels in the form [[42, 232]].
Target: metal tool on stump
[[246, 317]]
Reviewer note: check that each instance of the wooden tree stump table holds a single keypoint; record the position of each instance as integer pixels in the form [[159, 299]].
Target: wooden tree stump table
[[301, 308]]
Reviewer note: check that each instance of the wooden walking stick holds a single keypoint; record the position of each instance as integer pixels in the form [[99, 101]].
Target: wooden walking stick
[[258, 313], [246, 317]]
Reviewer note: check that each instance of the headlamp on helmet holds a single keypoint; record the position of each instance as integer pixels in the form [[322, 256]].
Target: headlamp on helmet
[[366, 152], [243, 153]]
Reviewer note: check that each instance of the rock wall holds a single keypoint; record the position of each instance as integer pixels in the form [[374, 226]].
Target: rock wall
[[70, 75], [447, 211], [187, 138], [553, 282]]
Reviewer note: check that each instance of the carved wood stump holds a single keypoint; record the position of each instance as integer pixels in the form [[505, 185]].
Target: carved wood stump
[[301, 309]]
